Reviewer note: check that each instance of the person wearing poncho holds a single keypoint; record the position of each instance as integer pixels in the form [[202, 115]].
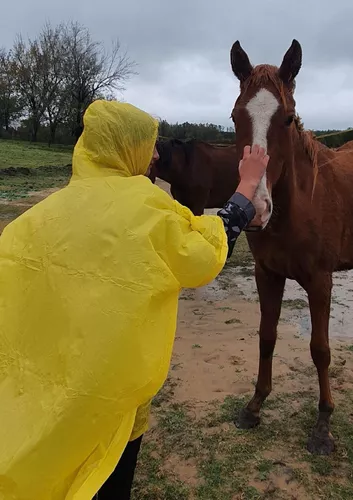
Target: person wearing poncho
[[89, 286]]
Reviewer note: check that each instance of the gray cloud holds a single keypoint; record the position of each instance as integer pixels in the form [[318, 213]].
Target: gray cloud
[[182, 49]]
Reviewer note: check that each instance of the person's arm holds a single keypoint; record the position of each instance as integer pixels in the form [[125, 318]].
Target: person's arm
[[193, 247], [236, 215]]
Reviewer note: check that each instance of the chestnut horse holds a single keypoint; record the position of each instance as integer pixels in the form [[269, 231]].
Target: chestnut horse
[[347, 145], [201, 175], [309, 233]]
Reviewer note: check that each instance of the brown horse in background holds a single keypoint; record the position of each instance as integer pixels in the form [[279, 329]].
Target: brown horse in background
[[308, 235], [201, 175], [346, 146]]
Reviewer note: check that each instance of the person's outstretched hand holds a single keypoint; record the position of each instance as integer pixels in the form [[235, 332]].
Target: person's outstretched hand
[[252, 168]]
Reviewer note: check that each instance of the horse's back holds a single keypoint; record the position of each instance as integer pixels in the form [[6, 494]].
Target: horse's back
[[346, 147], [342, 164]]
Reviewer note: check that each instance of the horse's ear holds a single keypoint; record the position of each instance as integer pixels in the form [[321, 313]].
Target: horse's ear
[[291, 63], [240, 62]]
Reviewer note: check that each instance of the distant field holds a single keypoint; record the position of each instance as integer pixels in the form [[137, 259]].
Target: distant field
[[25, 154]]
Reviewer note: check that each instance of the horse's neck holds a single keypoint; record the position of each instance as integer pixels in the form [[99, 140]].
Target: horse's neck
[[300, 167], [296, 183]]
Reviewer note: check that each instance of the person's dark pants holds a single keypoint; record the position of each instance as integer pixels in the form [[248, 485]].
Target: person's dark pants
[[118, 486]]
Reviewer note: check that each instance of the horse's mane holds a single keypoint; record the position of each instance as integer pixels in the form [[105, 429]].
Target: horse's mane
[[309, 140], [188, 147], [176, 142], [311, 147], [261, 75]]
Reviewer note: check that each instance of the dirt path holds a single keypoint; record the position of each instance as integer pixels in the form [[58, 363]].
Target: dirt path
[[216, 351]]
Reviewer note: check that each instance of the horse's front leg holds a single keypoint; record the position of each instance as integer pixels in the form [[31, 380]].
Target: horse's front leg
[[270, 287], [319, 290]]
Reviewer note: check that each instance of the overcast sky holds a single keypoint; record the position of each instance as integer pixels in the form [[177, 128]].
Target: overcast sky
[[182, 50]]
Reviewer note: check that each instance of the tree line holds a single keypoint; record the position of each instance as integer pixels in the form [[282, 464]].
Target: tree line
[[335, 138], [46, 83], [209, 132]]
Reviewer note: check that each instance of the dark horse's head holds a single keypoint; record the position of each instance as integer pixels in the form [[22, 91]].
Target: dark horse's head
[[176, 166], [163, 167], [171, 163], [264, 114]]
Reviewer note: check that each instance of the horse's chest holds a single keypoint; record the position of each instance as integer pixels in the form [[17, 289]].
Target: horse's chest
[[281, 256]]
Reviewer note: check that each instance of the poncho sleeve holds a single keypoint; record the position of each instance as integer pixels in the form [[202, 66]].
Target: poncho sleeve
[[193, 247]]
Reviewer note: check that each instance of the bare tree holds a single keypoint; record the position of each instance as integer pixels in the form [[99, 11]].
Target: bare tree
[[31, 70], [60, 72], [92, 72], [11, 105], [53, 46], [40, 76]]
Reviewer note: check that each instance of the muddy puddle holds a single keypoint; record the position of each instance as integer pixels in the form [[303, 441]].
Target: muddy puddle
[[240, 283]]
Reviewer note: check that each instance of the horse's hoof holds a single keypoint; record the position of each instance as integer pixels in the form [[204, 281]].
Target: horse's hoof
[[247, 420], [321, 444]]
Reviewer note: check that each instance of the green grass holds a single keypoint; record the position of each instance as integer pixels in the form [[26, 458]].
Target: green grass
[[241, 256], [26, 154], [295, 303], [18, 186], [152, 483], [203, 456], [240, 260], [26, 167], [233, 321]]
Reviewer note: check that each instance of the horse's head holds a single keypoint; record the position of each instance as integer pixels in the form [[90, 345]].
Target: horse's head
[[165, 169], [263, 114], [177, 166], [164, 149]]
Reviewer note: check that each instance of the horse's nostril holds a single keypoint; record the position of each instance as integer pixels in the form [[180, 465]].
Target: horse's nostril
[[269, 206]]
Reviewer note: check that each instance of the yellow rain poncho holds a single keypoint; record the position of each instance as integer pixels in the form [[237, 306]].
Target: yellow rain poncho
[[89, 285]]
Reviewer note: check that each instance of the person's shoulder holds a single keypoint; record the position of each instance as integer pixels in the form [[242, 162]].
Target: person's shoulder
[[161, 198], [138, 190], [152, 193]]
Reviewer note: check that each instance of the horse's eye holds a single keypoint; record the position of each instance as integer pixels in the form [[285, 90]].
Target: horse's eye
[[289, 120]]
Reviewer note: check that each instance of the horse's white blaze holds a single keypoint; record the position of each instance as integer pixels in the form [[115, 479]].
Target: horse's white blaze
[[261, 109]]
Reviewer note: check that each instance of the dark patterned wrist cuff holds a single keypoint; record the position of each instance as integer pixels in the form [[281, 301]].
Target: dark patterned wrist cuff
[[245, 204]]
